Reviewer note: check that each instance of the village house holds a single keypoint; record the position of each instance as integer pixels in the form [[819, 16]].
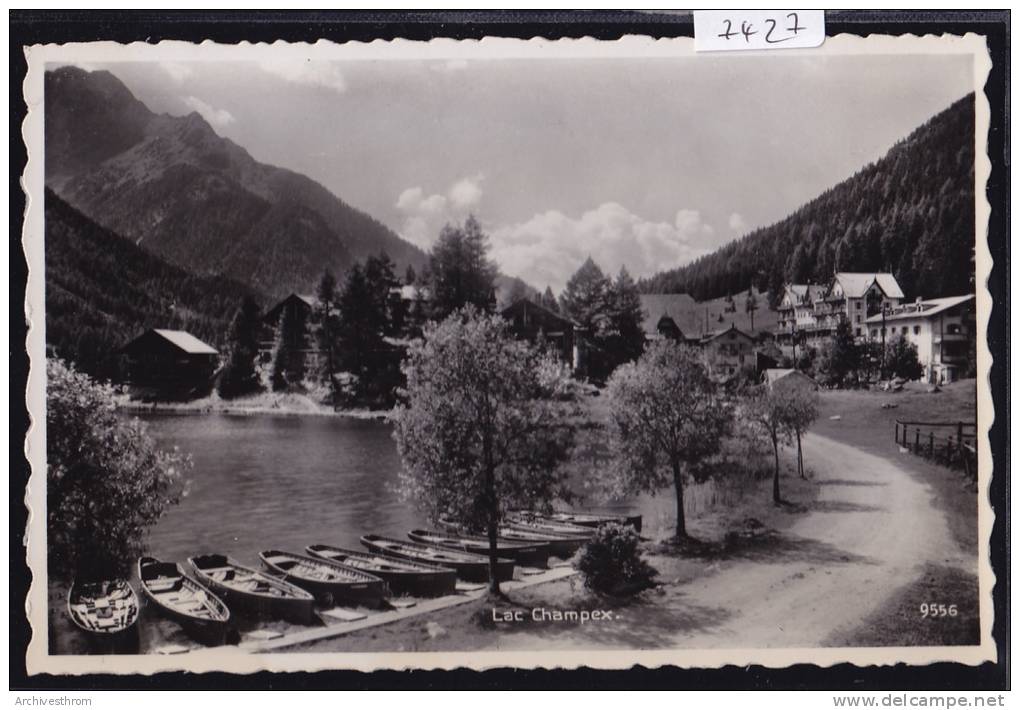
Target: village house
[[169, 360], [941, 328], [797, 310], [728, 351], [810, 313], [787, 377], [301, 309], [532, 322]]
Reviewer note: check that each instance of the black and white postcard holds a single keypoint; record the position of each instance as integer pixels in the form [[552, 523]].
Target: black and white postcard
[[508, 353]]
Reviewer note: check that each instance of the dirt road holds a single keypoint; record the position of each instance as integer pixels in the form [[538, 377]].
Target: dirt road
[[871, 531]]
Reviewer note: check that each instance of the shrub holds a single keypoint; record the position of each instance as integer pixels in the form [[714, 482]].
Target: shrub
[[611, 562], [107, 481]]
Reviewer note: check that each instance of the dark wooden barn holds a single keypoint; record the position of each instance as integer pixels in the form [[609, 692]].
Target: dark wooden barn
[[533, 322], [169, 360]]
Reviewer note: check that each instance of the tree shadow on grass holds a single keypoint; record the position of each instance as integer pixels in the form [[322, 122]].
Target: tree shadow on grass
[[766, 546], [849, 482], [842, 506]]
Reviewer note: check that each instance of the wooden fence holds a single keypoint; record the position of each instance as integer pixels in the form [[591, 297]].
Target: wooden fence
[[950, 443]]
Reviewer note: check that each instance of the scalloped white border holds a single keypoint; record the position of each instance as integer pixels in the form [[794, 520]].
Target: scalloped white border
[[487, 49]]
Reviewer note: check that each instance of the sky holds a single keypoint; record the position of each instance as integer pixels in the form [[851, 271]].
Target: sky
[[644, 162]]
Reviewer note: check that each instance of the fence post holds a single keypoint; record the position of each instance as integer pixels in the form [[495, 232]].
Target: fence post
[[949, 449], [897, 432], [959, 431], [917, 440], [931, 444]]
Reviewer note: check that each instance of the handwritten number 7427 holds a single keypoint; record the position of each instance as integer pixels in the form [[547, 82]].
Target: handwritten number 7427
[[747, 30]]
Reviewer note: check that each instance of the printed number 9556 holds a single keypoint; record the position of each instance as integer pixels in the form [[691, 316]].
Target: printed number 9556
[[937, 611]]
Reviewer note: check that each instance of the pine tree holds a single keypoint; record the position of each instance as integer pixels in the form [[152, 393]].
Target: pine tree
[[326, 294], [586, 298], [549, 300], [360, 321], [239, 375], [461, 272], [627, 318]]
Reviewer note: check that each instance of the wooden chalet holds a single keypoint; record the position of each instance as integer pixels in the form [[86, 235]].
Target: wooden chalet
[[532, 322], [169, 360]]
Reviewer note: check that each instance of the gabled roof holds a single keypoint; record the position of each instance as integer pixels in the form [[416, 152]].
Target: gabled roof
[[525, 302], [186, 341], [772, 375], [708, 337], [855, 284], [921, 309], [656, 305], [810, 292]]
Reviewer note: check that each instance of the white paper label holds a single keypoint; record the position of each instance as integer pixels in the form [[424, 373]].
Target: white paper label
[[737, 30]]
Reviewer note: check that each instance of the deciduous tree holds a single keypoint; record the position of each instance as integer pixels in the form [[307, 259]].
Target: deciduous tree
[[665, 416], [107, 482], [484, 428], [901, 358]]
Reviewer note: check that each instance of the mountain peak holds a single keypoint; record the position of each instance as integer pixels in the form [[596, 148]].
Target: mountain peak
[[193, 197]]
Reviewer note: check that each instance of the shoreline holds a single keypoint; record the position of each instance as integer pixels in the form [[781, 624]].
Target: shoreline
[[250, 407]]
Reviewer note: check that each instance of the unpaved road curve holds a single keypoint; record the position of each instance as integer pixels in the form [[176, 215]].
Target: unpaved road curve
[[869, 533]]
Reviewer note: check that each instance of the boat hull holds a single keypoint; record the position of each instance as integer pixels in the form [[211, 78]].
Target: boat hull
[[530, 553], [207, 631], [123, 640], [361, 592], [298, 608], [561, 546], [437, 582], [473, 571]]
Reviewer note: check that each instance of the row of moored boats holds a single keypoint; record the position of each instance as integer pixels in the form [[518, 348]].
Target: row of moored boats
[[290, 585]]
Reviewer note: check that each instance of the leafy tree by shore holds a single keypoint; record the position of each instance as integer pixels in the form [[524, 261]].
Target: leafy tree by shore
[[665, 417], [239, 375], [484, 427], [107, 482]]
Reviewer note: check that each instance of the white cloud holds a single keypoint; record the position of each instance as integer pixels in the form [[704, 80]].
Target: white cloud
[[550, 246], [413, 199], [425, 215], [737, 223], [304, 71], [467, 192], [216, 116], [177, 71]]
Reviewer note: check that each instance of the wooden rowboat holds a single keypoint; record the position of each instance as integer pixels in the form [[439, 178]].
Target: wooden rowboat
[[592, 519], [106, 612], [329, 581], [402, 576], [200, 613], [560, 545], [533, 524], [469, 566], [252, 592], [522, 552]]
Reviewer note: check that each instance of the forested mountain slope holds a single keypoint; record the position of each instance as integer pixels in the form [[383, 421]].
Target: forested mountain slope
[[910, 213], [102, 290]]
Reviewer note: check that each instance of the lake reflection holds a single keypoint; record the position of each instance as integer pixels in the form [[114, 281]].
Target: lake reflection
[[282, 482]]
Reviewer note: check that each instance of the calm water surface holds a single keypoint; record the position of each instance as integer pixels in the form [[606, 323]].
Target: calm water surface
[[283, 482]]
